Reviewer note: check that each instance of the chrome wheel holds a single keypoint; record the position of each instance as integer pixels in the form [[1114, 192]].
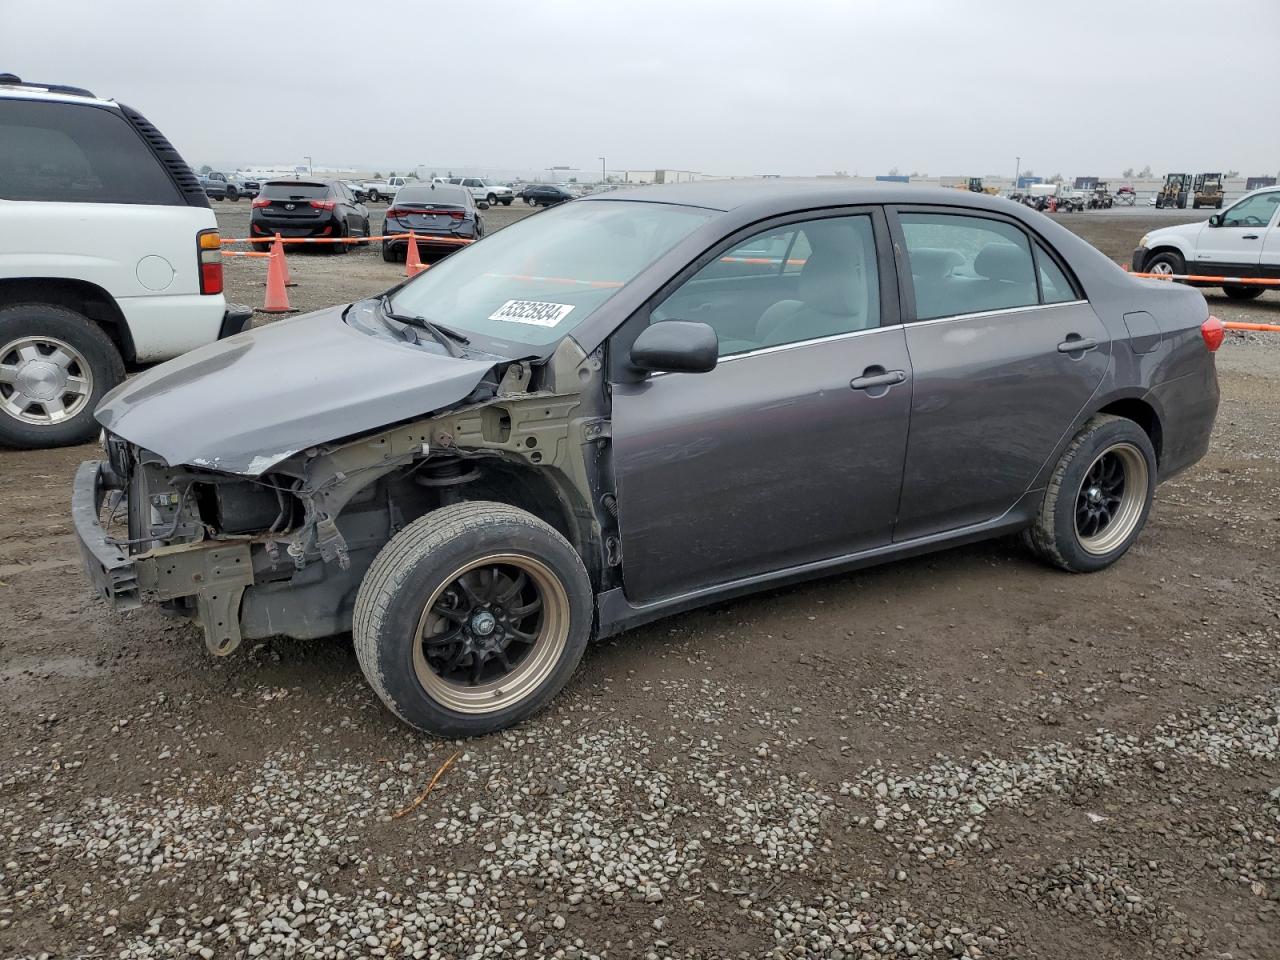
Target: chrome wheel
[[1163, 268], [43, 380], [1110, 501], [491, 634]]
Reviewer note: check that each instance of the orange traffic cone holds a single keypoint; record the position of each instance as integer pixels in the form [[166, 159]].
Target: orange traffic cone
[[278, 248], [412, 264], [277, 299]]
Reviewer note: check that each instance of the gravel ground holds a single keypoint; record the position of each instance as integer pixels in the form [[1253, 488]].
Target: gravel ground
[[963, 755]]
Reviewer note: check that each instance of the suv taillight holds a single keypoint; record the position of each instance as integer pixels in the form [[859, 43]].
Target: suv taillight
[[324, 204], [209, 259], [1213, 332], [261, 201]]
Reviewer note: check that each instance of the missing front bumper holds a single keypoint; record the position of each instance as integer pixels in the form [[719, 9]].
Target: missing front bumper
[[214, 573]]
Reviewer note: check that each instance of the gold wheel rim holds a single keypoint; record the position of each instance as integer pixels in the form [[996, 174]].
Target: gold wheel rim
[[1111, 499], [491, 633]]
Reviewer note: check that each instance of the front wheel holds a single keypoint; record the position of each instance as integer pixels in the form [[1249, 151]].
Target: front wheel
[[55, 365], [1098, 497], [506, 201], [1166, 264], [472, 619]]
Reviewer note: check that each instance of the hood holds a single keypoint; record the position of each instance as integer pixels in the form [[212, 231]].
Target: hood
[[1186, 231], [243, 404]]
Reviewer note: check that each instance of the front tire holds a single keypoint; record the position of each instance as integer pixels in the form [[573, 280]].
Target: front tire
[[1098, 497], [55, 365], [506, 201], [472, 619], [1166, 263]]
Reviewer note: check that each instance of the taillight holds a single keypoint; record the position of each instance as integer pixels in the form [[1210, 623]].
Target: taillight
[[457, 214], [261, 202], [1213, 332], [324, 204], [209, 254], [393, 214]]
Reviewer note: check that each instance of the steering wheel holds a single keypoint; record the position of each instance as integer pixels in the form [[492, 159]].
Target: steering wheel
[[1248, 221]]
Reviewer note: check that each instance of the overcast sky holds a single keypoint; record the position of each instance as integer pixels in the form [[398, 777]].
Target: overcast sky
[[733, 87]]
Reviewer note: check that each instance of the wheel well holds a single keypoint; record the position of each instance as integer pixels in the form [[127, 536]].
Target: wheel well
[[537, 492], [1144, 415], [79, 295], [1165, 249]]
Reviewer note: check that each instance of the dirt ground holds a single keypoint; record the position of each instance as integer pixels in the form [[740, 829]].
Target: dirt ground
[[966, 754]]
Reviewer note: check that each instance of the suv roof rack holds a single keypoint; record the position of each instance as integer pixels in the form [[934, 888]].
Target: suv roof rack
[[13, 80]]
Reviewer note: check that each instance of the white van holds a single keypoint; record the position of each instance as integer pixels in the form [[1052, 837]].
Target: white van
[[109, 254]]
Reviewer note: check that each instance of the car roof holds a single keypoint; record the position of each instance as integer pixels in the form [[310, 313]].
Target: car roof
[[769, 197], [11, 87]]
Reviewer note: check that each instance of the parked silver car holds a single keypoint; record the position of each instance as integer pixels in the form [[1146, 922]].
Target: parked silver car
[[638, 403]]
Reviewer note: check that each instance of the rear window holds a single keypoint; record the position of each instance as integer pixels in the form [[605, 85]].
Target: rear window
[[442, 196], [293, 190], [74, 153]]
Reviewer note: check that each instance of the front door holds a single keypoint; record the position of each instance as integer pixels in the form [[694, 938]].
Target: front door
[[1005, 353], [1236, 245], [791, 450]]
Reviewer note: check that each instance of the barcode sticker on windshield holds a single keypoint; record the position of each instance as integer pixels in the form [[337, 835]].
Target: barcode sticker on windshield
[[538, 312]]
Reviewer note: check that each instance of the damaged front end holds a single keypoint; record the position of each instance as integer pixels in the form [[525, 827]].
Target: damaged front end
[[283, 552]]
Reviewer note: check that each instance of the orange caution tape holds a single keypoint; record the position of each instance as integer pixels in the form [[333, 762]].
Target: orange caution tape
[[425, 238], [1256, 281], [1262, 327]]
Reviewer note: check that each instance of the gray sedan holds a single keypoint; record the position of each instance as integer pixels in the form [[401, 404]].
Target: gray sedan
[[638, 403]]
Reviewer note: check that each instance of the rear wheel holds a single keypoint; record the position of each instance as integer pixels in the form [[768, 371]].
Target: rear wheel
[[339, 248], [232, 194], [55, 365], [506, 201], [1239, 292], [491, 199], [1098, 497], [389, 253], [472, 618], [373, 196]]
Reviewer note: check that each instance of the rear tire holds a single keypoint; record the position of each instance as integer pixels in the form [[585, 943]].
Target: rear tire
[[506, 202], [52, 354], [452, 589], [389, 253], [232, 194], [1098, 497], [1238, 292], [373, 196]]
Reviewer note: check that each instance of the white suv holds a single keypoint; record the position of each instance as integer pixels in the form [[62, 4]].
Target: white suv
[[109, 254], [1241, 241]]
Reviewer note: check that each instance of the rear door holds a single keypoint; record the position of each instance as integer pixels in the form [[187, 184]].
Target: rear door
[[1236, 245], [1005, 353], [790, 451]]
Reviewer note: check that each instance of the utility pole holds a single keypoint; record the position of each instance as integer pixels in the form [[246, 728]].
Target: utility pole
[[604, 174], [1016, 170]]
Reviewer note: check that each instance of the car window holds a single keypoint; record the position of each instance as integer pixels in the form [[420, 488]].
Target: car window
[[1255, 211], [79, 154], [966, 264], [294, 190], [1054, 285], [761, 293], [538, 279]]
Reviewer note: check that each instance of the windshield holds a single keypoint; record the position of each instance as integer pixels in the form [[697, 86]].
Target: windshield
[[538, 279]]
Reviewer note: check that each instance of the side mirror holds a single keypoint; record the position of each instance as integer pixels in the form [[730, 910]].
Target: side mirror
[[483, 204], [676, 346], [1215, 220]]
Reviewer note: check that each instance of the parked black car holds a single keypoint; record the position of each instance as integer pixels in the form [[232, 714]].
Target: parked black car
[[545, 194], [431, 210], [308, 208]]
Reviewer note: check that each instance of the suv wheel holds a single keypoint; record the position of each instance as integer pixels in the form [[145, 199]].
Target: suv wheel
[[1243, 292], [1098, 497], [506, 201], [373, 196], [491, 199], [55, 365], [1166, 263], [233, 194], [472, 618]]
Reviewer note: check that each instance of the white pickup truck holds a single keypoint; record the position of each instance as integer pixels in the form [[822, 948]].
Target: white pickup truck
[[377, 190]]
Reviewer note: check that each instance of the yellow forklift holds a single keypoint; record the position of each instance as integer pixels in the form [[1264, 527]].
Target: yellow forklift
[[1207, 191], [1174, 192]]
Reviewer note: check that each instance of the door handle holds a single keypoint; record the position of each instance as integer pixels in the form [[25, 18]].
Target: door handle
[[870, 379], [1250, 236], [1076, 344]]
